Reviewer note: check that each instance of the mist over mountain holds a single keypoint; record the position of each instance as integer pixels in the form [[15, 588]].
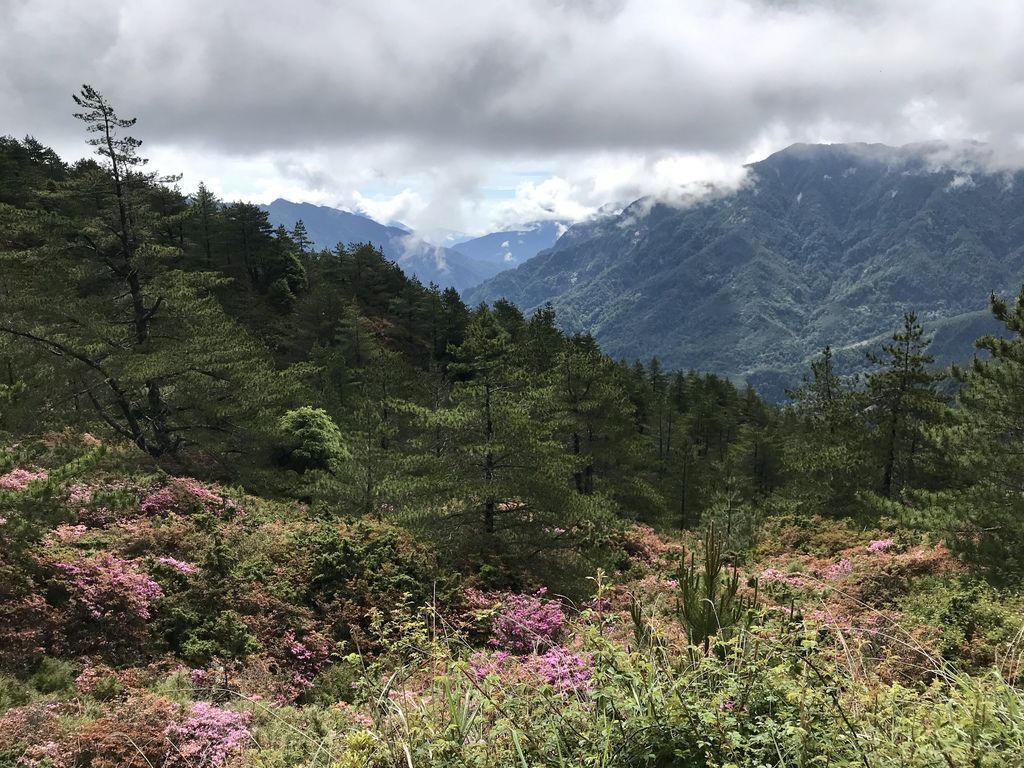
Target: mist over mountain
[[824, 244], [429, 263], [510, 248]]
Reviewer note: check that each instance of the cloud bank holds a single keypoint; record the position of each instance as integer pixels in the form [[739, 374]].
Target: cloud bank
[[462, 113]]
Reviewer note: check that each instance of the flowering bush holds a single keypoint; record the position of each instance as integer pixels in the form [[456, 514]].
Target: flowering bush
[[527, 622], [482, 664], [19, 479], [178, 565], [307, 658], [880, 545], [108, 587], [568, 672], [836, 570], [208, 737], [182, 495]]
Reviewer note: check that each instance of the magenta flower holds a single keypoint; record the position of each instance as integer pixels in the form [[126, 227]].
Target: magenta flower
[[209, 736], [566, 671], [527, 622], [108, 587], [178, 565]]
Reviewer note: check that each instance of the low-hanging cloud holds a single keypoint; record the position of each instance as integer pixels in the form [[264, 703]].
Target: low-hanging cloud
[[437, 97]]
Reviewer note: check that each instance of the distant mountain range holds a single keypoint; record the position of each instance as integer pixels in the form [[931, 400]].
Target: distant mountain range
[[474, 260], [505, 250], [824, 244]]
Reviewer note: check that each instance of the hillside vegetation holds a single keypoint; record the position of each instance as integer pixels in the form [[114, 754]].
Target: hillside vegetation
[[268, 505], [823, 244]]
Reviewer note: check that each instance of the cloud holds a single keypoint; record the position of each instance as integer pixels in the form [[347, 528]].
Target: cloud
[[397, 98]]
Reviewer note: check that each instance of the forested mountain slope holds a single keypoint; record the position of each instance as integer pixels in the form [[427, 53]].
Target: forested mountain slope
[[429, 263], [824, 244]]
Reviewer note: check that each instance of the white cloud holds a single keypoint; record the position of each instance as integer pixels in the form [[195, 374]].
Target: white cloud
[[409, 108]]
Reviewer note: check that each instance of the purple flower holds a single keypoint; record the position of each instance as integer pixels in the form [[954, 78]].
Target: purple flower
[[209, 736], [178, 565], [527, 622], [566, 671]]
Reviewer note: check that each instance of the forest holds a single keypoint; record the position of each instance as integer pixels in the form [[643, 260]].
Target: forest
[[268, 505]]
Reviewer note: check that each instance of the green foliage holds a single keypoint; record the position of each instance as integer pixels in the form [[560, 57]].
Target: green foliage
[[54, 676], [309, 439], [224, 637], [977, 623], [709, 601], [983, 501]]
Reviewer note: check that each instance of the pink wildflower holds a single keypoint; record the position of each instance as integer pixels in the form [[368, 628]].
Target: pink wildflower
[[482, 664], [880, 545], [566, 671], [837, 570], [109, 587], [527, 622], [19, 479], [79, 494], [178, 565], [308, 658], [210, 735]]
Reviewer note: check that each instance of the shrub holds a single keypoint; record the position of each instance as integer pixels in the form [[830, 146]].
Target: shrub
[[54, 676], [208, 737], [527, 623], [309, 439]]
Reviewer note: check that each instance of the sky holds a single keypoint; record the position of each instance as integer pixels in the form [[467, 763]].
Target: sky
[[478, 115]]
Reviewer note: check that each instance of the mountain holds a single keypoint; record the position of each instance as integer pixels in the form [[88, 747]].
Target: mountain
[[823, 244], [512, 247], [430, 263]]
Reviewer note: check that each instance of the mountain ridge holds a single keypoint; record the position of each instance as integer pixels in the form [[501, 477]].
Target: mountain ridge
[[823, 244]]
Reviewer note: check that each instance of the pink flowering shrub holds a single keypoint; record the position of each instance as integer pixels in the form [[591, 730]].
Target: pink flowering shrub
[[19, 479], [108, 587], [178, 565], [307, 657], [566, 671], [527, 622], [183, 495], [836, 570], [880, 545], [775, 576], [208, 737], [159, 503], [483, 664], [79, 495]]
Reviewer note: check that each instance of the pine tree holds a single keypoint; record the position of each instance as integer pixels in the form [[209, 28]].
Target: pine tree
[[95, 283], [904, 402], [491, 472], [983, 505], [301, 236], [826, 454]]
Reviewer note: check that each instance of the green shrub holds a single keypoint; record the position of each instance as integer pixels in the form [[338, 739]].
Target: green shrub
[[54, 676]]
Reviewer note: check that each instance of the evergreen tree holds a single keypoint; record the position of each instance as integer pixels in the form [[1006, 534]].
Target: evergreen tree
[[983, 505], [904, 402], [94, 282], [301, 237], [825, 450], [491, 471]]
